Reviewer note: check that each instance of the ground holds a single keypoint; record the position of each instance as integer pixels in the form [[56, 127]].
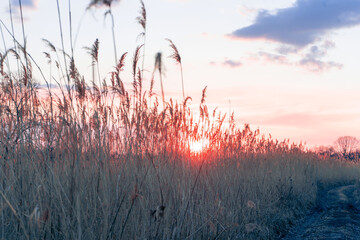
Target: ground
[[337, 216]]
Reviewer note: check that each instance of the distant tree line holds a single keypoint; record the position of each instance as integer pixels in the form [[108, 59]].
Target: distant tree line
[[344, 148]]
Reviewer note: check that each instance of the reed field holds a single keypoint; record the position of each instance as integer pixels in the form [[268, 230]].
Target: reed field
[[91, 159]]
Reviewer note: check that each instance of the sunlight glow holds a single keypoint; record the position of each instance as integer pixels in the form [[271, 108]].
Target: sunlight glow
[[197, 146]]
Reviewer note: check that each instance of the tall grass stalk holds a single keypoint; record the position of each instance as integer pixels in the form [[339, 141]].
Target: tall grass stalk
[[62, 45], [23, 34], [108, 4], [6, 49], [13, 32], [142, 21], [158, 66], [113, 33], [191, 194], [176, 56]]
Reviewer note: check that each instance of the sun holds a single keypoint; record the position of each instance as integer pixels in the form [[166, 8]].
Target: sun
[[197, 146]]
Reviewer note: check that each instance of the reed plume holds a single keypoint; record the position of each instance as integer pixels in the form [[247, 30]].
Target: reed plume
[[142, 18], [142, 21], [158, 66], [99, 3], [176, 56], [108, 4]]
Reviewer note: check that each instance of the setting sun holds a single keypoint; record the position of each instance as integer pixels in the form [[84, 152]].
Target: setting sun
[[197, 146]]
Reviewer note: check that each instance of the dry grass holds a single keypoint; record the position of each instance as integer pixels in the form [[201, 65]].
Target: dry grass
[[99, 161]]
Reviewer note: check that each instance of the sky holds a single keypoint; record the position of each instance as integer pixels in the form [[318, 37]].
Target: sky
[[288, 67]]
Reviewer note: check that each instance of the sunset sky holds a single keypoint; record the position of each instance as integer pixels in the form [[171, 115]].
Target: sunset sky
[[290, 68]]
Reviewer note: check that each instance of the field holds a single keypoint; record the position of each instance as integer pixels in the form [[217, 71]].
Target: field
[[91, 159]]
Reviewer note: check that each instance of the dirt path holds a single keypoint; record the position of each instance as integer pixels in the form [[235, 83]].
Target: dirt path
[[337, 216]]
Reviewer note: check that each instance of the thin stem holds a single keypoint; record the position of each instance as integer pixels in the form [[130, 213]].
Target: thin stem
[[192, 192], [29, 55], [23, 33], [5, 47], [113, 35], [143, 57], [13, 34], [62, 44], [182, 81], [78, 28], [162, 91], [71, 37], [15, 214], [132, 204]]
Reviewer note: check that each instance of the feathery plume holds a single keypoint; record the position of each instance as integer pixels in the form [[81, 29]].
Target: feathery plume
[[175, 55], [142, 18], [99, 3]]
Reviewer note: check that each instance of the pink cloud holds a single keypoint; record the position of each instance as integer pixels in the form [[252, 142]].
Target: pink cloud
[[227, 63], [274, 58], [312, 60], [245, 11], [232, 63], [315, 65], [303, 23]]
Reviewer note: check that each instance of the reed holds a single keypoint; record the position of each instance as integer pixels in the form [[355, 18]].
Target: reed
[[99, 160], [108, 4], [176, 56]]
